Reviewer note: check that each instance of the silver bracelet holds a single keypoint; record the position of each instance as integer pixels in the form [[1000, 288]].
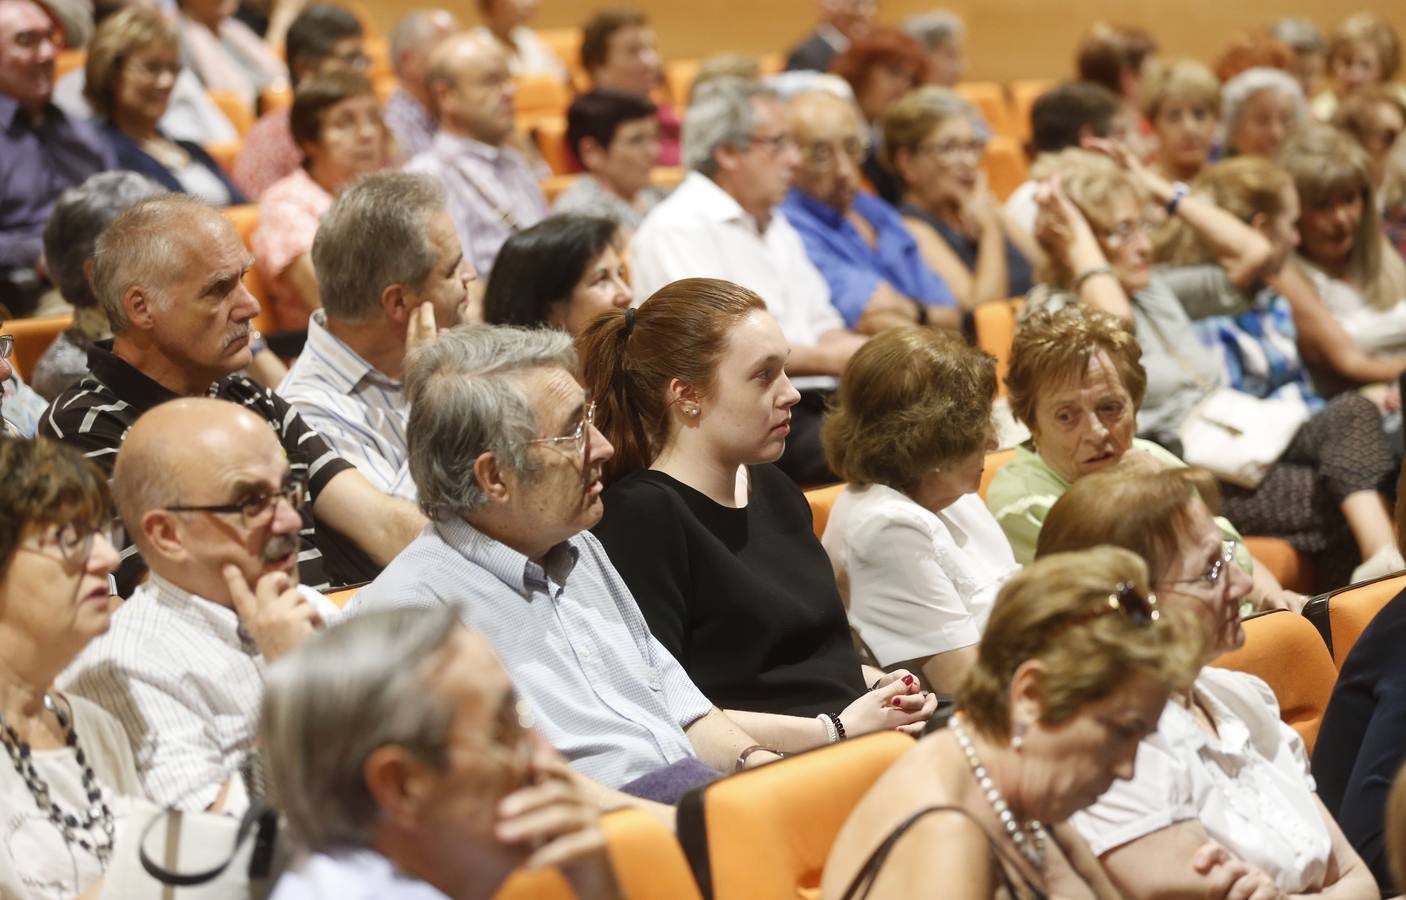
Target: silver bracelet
[[1088, 273], [831, 734]]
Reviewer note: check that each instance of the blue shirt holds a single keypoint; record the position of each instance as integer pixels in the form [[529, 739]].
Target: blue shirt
[[851, 267], [37, 163], [603, 691]]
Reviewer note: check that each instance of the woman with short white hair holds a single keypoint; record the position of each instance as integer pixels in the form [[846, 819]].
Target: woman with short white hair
[[1259, 107]]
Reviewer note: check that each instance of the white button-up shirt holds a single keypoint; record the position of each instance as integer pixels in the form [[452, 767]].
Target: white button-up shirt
[[357, 408], [185, 681], [700, 231]]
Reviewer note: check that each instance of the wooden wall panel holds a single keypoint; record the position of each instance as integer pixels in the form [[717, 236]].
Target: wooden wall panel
[[1007, 38]]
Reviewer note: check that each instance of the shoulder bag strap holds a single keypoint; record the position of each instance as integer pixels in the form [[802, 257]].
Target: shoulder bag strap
[[259, 819]]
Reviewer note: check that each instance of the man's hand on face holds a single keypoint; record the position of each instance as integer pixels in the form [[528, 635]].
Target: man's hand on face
[[274, 612]]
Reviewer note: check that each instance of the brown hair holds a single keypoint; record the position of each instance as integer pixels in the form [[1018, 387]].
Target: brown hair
[[1254, 50], [1354, 112], [1242, 186], [1051, 348], [628, 357], [883, 46], [117, 38], [1056, 611], [1129, 505], [1323, 162], [315, 96], [47, 483], [596, 34], [1108, 51], [911, 399], [1179, 79], [1366, 28]]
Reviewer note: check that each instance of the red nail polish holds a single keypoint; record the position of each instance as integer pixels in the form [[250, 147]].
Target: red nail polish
[[896, 702], [907, 679]]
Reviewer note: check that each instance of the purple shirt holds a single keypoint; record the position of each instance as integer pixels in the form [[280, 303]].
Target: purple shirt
[[36, 165]]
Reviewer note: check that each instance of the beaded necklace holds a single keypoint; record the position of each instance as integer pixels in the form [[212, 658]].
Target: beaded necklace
[[1028, 837], [69, 825]]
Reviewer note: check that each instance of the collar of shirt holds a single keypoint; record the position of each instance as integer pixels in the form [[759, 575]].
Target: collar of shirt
[[824, 213], [709, 201], [125, 380], [14, 116], [207, 615], [341, 366], [509, 566]]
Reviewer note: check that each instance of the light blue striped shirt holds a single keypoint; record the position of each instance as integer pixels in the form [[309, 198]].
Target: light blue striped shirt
[[603, 691], [357, 408]]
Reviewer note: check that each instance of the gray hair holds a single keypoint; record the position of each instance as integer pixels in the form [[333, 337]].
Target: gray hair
[[1236, 92], [376, 234], [933, 29], [466, 400], [349, 690], [411, 33], [1298, 33], [143, 246], [81, 214], [721, 116]]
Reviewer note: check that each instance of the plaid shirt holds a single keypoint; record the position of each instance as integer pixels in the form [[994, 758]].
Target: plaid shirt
[[1258, 349]]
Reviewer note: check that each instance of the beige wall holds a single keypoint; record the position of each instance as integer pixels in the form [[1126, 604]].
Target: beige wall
[[1008, 38]]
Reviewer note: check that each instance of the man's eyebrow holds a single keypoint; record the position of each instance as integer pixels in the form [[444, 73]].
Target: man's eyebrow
[[220, 283]]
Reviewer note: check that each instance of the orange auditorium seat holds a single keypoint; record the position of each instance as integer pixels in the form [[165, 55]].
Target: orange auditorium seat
[[989, 97], [245, 218], [235, 109], [540, 95], [1288, 566], [1005, 166], [679, 75], [995, 331], [1285, 650], [224, 154], [821, 500], [69, 61], [1023, 96], [278, 96], [765, 833], [32, 337], [994, 461], [549, 133], [1350, 610], [565, 43]]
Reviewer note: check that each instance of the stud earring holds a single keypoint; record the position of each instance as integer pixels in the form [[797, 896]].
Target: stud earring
[[692, 411], [1018, 738]]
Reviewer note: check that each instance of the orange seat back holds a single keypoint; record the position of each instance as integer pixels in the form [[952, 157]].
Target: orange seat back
[[1285, 650], [989, 98], [278, 96], [679, 75], [235, 109], [995, 324], [1351, 610], [1023, 96], [994, 461], [821, 500], [648, 864], [32, 338], [69, 61], [244, 218], [1288, 566], [540, 95], [765, 833], [549, 133], [1005, 166], [565, 43]]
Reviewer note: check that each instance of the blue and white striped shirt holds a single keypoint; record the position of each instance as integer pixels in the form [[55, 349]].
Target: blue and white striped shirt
[[603, 691], [357, 408]]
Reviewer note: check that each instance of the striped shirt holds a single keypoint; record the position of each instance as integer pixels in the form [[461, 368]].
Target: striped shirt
[[358, 409], [185, 680], [603, 691], [94, 415]]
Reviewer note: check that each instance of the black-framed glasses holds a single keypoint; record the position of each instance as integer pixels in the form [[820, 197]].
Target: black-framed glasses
[[580, 437], [7, 345], [254, 507], [1212, 576]]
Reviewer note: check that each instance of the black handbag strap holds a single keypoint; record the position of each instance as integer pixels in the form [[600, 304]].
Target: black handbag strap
[[258, 819], [863, 882]]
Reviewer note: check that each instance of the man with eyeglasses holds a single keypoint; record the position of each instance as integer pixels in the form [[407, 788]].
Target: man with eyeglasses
[[168, 273], [876, 274], [723, 222], [321, 40], [43, 149], [20, 406], [207, 493], [492, 188]]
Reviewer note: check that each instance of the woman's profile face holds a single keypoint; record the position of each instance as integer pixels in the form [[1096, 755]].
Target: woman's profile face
[[1204, 579], [745, 414], [55, 587]]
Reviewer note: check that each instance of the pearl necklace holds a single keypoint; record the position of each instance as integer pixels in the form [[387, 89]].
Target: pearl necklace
[[1029, 838]]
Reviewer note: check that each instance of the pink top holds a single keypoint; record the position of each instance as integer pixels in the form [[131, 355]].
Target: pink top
[[269, 154], [289, 212]]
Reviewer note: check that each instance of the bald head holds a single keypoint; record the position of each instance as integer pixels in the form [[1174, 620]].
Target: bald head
[[472, 88], [414, 38], [831, 141], [177, 448]]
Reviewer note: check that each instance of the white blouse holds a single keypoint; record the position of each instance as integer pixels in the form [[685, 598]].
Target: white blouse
[[916, 583], [1250, 787], [1372, 330]]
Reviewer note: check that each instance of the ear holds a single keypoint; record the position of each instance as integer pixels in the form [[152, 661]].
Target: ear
[[398, 783], [139, 304], [680, 394], [726, 157], [592, 153], [491, 478], [88, 265], [1259, 221], [395, 304], [162, 532], [556, 313], [1027, 697]]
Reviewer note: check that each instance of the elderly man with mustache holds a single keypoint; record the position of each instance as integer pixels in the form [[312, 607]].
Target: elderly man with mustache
[[206, 491], [169, 274]]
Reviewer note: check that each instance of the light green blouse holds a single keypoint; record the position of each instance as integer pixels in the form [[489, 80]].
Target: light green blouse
[[1023, 491]]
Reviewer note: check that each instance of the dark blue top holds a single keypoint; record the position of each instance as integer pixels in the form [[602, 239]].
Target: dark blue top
[[1362, 742], [851, 267], [1019, 275], [133, 158], [36, 165]]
